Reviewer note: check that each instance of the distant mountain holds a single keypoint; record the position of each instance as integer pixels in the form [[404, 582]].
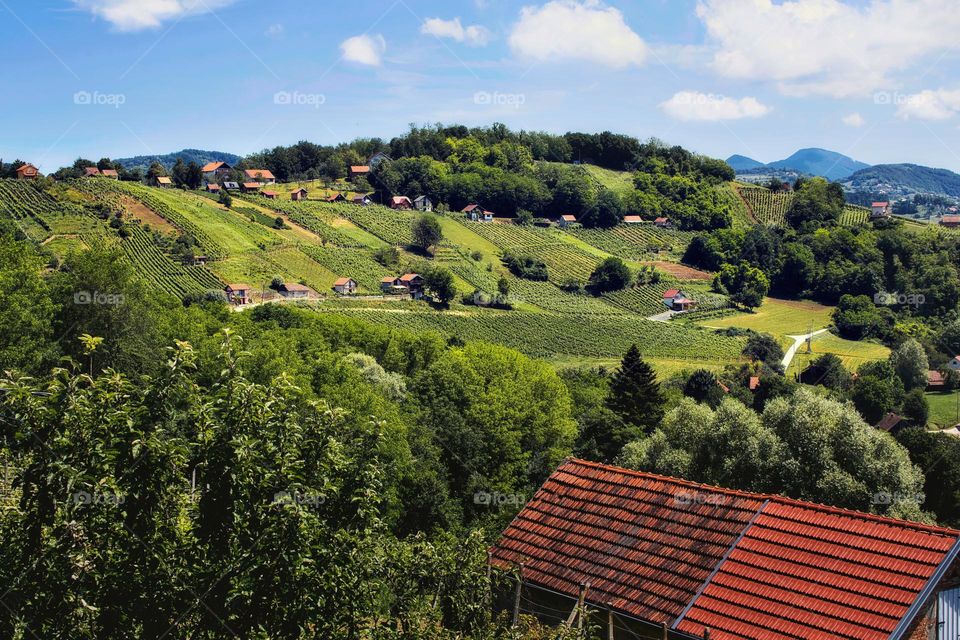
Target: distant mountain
[[904, 179], [820, 162], [199, 156], [743, 163]]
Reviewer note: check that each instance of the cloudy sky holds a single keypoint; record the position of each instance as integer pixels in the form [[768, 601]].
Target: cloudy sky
[[875, 79]]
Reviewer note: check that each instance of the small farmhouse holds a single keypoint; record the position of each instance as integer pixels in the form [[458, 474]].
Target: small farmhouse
[[91, 172], [401, 202], [413, 283], [477, 213], [671, 558], [345, 286], [391, 286], [215, 171], [238, 293], [110, 173], [632, 220], [362, 199], [423, 203], [263, 176], [892, 423], [27, 172], [231, 186], [294, 291], [336, 197], [663, 223], [165, 183], [880, 210], [213, 187], [935, 381], [270, 195], [250, 187], [358, 171], [951, 222], [566, 220], [299, 194], [677, 300]]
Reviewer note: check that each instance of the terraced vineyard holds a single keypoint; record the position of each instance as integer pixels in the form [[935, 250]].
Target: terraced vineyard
[[162, 270], [391, 226], [352, 263], [854, 216], [27, 206], [644, 301], [766, 206], [564, 261], [311, 216]]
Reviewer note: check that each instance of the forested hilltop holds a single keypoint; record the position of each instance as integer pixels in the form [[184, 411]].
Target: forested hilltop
[[306, 408]]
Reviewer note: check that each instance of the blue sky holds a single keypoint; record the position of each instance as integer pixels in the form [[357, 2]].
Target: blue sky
[[875, 79]]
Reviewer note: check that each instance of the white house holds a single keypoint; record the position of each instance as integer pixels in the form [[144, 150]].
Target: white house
[[263, 176], [423, 203], [880, 210], [216, 171], [477, 213], [290, 290], [345, 286], [677, 300]]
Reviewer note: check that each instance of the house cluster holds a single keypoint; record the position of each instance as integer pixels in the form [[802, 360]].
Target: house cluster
[[478, 213], [411, 284], [678, 300], [239, 294], [662, 557]]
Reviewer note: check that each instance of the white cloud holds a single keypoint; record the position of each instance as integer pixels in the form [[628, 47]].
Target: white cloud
[[941, 104], [364, 49], [274, 31], [563, 30], [474, 35], [854, 120], [826, 46], [135, 15], [707, 107]]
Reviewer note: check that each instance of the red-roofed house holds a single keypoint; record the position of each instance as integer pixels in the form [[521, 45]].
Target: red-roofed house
[[401, 202], [359, 170], [213, 187], [345, 286], [950, 221], [216, 171], [294, 290], [677, 300], [880, 210], [337, 197], [263, 176], [935, 381], [299, 194], [90, 172], [238, 293], [477, 213], [566, 220], [250, 187], [110, 173], [663, 223], [413, 283], [270, 195], [661, 551], [28, 172]]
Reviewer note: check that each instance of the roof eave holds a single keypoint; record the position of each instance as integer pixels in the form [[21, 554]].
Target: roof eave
[[906, 622]]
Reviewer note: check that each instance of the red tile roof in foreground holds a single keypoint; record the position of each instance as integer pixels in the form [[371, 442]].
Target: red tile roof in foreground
[[745, 565]]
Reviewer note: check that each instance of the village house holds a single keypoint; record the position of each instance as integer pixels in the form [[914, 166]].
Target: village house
[[414, 284], [390, 285], [880, 210], [250, 187], [336, 197], [213, 187], [270, 195], [663, 223], [951, 222], [677, 300], [401, 202], [263, 176], [358, 171], [632, 220], [935, 381], [293, 291], [892, 423], [661, 557], [362, 199], [345, 286], [27, 172], [165, 183], [423, 203], [566, 220], [477, 213], [216, 171], [299, 194], [231, 186], [110, 173], [238, 293], [90, 172]]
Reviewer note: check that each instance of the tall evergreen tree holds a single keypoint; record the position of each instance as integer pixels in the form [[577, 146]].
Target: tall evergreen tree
[[635, 396]]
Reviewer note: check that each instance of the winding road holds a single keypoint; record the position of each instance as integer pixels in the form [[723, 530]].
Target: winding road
[[797, 341]]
